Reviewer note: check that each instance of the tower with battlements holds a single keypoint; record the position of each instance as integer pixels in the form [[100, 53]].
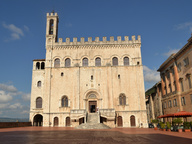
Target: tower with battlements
[[78, 78]]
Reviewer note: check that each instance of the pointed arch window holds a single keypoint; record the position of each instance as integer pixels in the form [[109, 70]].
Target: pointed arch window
[[64, 101], [57, 62], [98, 61], [126, 61], [115, 61], [67, 62], [51, 26], [122, 99], [85, 61], [39, 102]]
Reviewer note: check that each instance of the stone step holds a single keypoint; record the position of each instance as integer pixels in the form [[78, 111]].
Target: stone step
[[93, 118], [92, 126]]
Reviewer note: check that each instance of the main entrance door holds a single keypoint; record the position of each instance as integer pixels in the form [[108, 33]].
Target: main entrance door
[[92, 106]]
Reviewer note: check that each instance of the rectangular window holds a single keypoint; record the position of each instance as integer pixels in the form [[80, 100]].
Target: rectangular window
[[179, 67], [165, 105], [181, 85], [186, 61], [170, 104], [183, 101], [189, 81], [175, 102], [170, 88]]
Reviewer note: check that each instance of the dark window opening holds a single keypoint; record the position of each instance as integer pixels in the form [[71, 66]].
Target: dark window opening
[[42, 65], [97, 61], [37, 66], [67, 62], [51, 27], [39, 102], [62, 74], [57, 63], [118, 76], [137, 63], [39, 84], [115, 61], [126, 61], [85, 61], [92, 77], [64, 101]]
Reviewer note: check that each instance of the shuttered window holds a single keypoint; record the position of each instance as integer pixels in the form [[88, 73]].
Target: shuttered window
[[57, 63]]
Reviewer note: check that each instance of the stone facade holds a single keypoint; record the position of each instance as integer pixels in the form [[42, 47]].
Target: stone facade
[[153, 102], [176, 81], [82, 77]]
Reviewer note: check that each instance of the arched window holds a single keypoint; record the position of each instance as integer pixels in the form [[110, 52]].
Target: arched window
[[67, 62], [42, 65], [98, 61], [56, 121], [39, 84], [37, 65], [122, 99], [51, 27], [85, 61], [115, 61], [39, 102], [132, 120], [57, 62], [64, 101], [126, 61]]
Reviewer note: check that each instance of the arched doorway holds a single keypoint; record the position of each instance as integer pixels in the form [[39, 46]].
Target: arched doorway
[[56, 121], [67, 122], [38, 120], [132, 120], [119, 121]]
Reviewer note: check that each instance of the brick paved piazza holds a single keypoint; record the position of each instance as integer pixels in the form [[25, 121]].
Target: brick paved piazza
[[45, 135]]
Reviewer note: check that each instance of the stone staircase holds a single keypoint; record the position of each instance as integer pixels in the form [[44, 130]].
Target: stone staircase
[[93, 122]]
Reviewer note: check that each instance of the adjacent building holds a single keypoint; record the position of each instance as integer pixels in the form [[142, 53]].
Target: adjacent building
[[176, 84], [153, 102], [78, 78]]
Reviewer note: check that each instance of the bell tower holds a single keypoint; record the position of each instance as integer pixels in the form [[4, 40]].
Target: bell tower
[[52, 28]]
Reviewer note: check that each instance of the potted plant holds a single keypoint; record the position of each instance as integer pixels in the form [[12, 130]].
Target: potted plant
[[155, 121], [162, 126], [178, 121], [187, 127], [168, 126]]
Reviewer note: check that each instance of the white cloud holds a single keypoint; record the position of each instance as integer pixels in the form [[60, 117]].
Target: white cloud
[[5, 97], [16, 32], [26, 97], [186, 25], [16, 106], [171, 51], [8, 88], [151, 76]]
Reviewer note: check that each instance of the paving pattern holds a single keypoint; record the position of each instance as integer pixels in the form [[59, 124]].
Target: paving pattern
[[36, 135]]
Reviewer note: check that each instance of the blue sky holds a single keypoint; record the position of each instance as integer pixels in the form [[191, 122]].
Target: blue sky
[[164, 26]]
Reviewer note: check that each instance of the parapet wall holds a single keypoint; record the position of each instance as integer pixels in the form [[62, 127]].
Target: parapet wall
[[97, 41]]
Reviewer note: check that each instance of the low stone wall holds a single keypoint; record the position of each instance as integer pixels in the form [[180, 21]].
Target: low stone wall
[[14, 124]]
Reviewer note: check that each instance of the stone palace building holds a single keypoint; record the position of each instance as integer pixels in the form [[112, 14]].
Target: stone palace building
[[78, 78]]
